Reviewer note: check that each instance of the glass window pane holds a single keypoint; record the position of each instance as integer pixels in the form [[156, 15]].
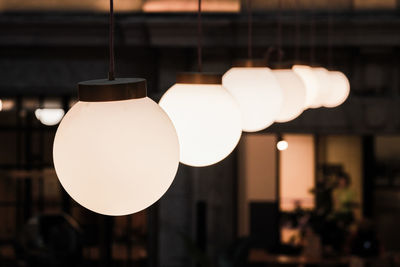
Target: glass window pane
[[69, 5], [297, 172], [326, 4], [375, 4], [188, 5], [191, 5]]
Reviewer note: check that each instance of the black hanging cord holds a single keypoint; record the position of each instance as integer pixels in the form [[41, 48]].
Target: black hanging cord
[[279, 29], [330, 39], [111, 72], [199, 39], [312, 38], [250, 30], [298, 33]]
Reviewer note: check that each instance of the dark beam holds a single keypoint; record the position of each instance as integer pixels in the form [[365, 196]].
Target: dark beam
[[351, 29]]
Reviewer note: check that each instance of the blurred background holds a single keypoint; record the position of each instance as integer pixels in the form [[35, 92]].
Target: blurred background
[[332, 198]]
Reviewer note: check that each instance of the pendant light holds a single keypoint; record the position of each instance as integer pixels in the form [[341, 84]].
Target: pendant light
[[321, 73], [293, 88], [50, 111], [327, 82], [339, 90], [294, 94], [310, 81], [339, 85], [116, 151], [255, 88], [304, 71], [323, 80], [206, 116], [49, 116]]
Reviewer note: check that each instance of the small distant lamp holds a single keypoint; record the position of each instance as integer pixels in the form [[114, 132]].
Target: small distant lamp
[[339, 90], [282, 145], [49, 116]]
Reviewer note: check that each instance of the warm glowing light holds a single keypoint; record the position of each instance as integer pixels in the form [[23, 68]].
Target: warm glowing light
[[117, 157], [69, 5], [311, 82], [324, 85], [6, 104], [49, 116], [282, 145], [207, 120], [339, 89], [190, 6], [297, 172], [258, 93], [294, 94]]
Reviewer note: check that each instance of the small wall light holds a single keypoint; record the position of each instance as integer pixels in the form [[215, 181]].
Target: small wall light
[[282, 145]]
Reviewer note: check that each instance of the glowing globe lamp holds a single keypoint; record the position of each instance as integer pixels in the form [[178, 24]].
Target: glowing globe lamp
[[49, 116], [324, 85], [258, 94], [339, 90], [310, 80], [206, 117], [115, 152], [294, 94]]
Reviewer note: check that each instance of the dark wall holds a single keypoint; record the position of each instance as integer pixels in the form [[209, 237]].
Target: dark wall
[[44, 54]]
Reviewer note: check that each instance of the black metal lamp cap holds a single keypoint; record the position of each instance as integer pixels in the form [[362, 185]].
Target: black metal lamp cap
[[281, 65], [305, 63], [199, 78], [112, 90], [250, 63]]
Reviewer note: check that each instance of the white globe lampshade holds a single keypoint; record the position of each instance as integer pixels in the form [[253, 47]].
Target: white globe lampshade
[[258, 93], [339, 90], [310, 80], [294, 94], [324, 84], [116, 157], [207, 120], [49, 116]]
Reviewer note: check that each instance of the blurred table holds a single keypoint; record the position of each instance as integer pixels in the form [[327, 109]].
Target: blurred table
[[261, 256]]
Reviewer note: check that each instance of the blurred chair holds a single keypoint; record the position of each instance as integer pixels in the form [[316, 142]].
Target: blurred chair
[[49, 241], [237, 254]]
